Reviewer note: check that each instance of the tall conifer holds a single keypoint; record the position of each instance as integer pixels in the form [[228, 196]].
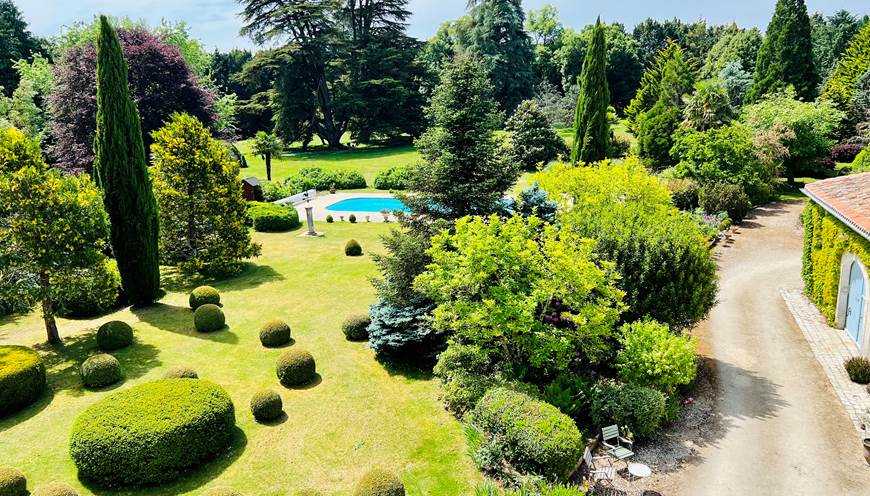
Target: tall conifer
[[786, 55], [121, 171], [591, 129]]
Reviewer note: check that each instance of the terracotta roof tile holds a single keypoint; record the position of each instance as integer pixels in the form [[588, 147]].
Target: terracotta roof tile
[[847, 197]]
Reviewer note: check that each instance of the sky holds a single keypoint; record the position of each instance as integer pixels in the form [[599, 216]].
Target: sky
[[216, 24]]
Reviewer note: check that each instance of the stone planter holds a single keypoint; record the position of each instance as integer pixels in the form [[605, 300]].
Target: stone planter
[[867, 450]]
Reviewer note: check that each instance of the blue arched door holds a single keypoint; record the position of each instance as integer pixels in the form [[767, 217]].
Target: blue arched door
[[855, 303]]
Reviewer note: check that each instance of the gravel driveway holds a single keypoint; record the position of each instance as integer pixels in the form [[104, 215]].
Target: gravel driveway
[[778, 429]]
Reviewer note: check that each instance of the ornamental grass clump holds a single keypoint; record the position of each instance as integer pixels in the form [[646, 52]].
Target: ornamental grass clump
[[858, 369]]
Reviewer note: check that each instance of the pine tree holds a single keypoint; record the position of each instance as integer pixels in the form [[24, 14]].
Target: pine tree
[[591, 128], [462, 172], [786, 55], [121, 172]]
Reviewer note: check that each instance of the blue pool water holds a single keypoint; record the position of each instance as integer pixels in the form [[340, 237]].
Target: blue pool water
[[368, 204]]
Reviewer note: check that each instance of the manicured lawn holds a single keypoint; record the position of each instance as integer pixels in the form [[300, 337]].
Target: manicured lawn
[[367, 160], [360, 414]]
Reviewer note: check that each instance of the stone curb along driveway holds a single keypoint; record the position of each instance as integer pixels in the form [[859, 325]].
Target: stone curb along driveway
[[831, 347]]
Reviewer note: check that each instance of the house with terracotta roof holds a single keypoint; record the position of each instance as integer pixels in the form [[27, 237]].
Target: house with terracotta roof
[[836, 254]]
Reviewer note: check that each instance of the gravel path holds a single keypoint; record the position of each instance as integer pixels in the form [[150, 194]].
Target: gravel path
[[775, 426]]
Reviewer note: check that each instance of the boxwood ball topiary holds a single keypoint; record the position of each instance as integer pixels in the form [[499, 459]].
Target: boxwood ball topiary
[[266, 405], [100, 371], [54, 489], [22, 378], [355, 327], [208, 318], [180, 372], [275, 332], [114, 335], [203, 295], [379, 482], [352, 248], [12, 482], [153, 432], [295, 367]]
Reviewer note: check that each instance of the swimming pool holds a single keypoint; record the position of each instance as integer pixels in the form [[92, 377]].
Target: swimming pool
[[368, 204]]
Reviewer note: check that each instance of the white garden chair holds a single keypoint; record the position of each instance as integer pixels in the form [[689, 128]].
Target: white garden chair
[[604, 474]]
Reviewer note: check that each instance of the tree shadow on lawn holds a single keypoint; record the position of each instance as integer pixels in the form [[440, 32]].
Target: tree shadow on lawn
[[407, 368], [251, 276], [63, 362], [188, 481], [180, 321]]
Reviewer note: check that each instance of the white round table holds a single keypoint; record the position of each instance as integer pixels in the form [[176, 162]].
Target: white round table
[[639, 470]]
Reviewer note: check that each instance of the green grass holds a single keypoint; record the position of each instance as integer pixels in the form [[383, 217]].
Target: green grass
[[367, 160], [359, 414]]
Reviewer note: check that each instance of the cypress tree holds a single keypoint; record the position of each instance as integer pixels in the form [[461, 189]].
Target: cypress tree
[[591, 129], [786, 55], [121, 172]]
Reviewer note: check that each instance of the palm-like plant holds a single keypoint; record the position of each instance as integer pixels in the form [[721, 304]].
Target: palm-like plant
[[266, 145]]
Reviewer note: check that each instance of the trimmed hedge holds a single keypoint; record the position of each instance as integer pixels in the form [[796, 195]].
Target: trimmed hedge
[[826, 239], [269, 217], [724, 197], [533, 436], [22, 378], [100, 371], [114, 335], [266, 405], [204, 295], [379, 482], [394, 178], [355, 327], [180, 372], [54, 489], [274, 332], [151, 433], [295, 367], [352, 248], [12, 482], [209, 318]]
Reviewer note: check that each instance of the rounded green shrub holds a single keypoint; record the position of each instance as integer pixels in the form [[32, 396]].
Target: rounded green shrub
[[862, 161], [351, 218], [355, 327], [329, 219], [275, 332], [22, 378], [393, 178], [12, 482], [858, 369], [180, 372], [295, 367], [221, 491], [266, 405], [151, 433], [269, 217], [642, 409], [724, 197], [533, 436], [114, 335], [378, 482], [204, 295], [54, 489], [208, 318], [352, 248], [100, 371]]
